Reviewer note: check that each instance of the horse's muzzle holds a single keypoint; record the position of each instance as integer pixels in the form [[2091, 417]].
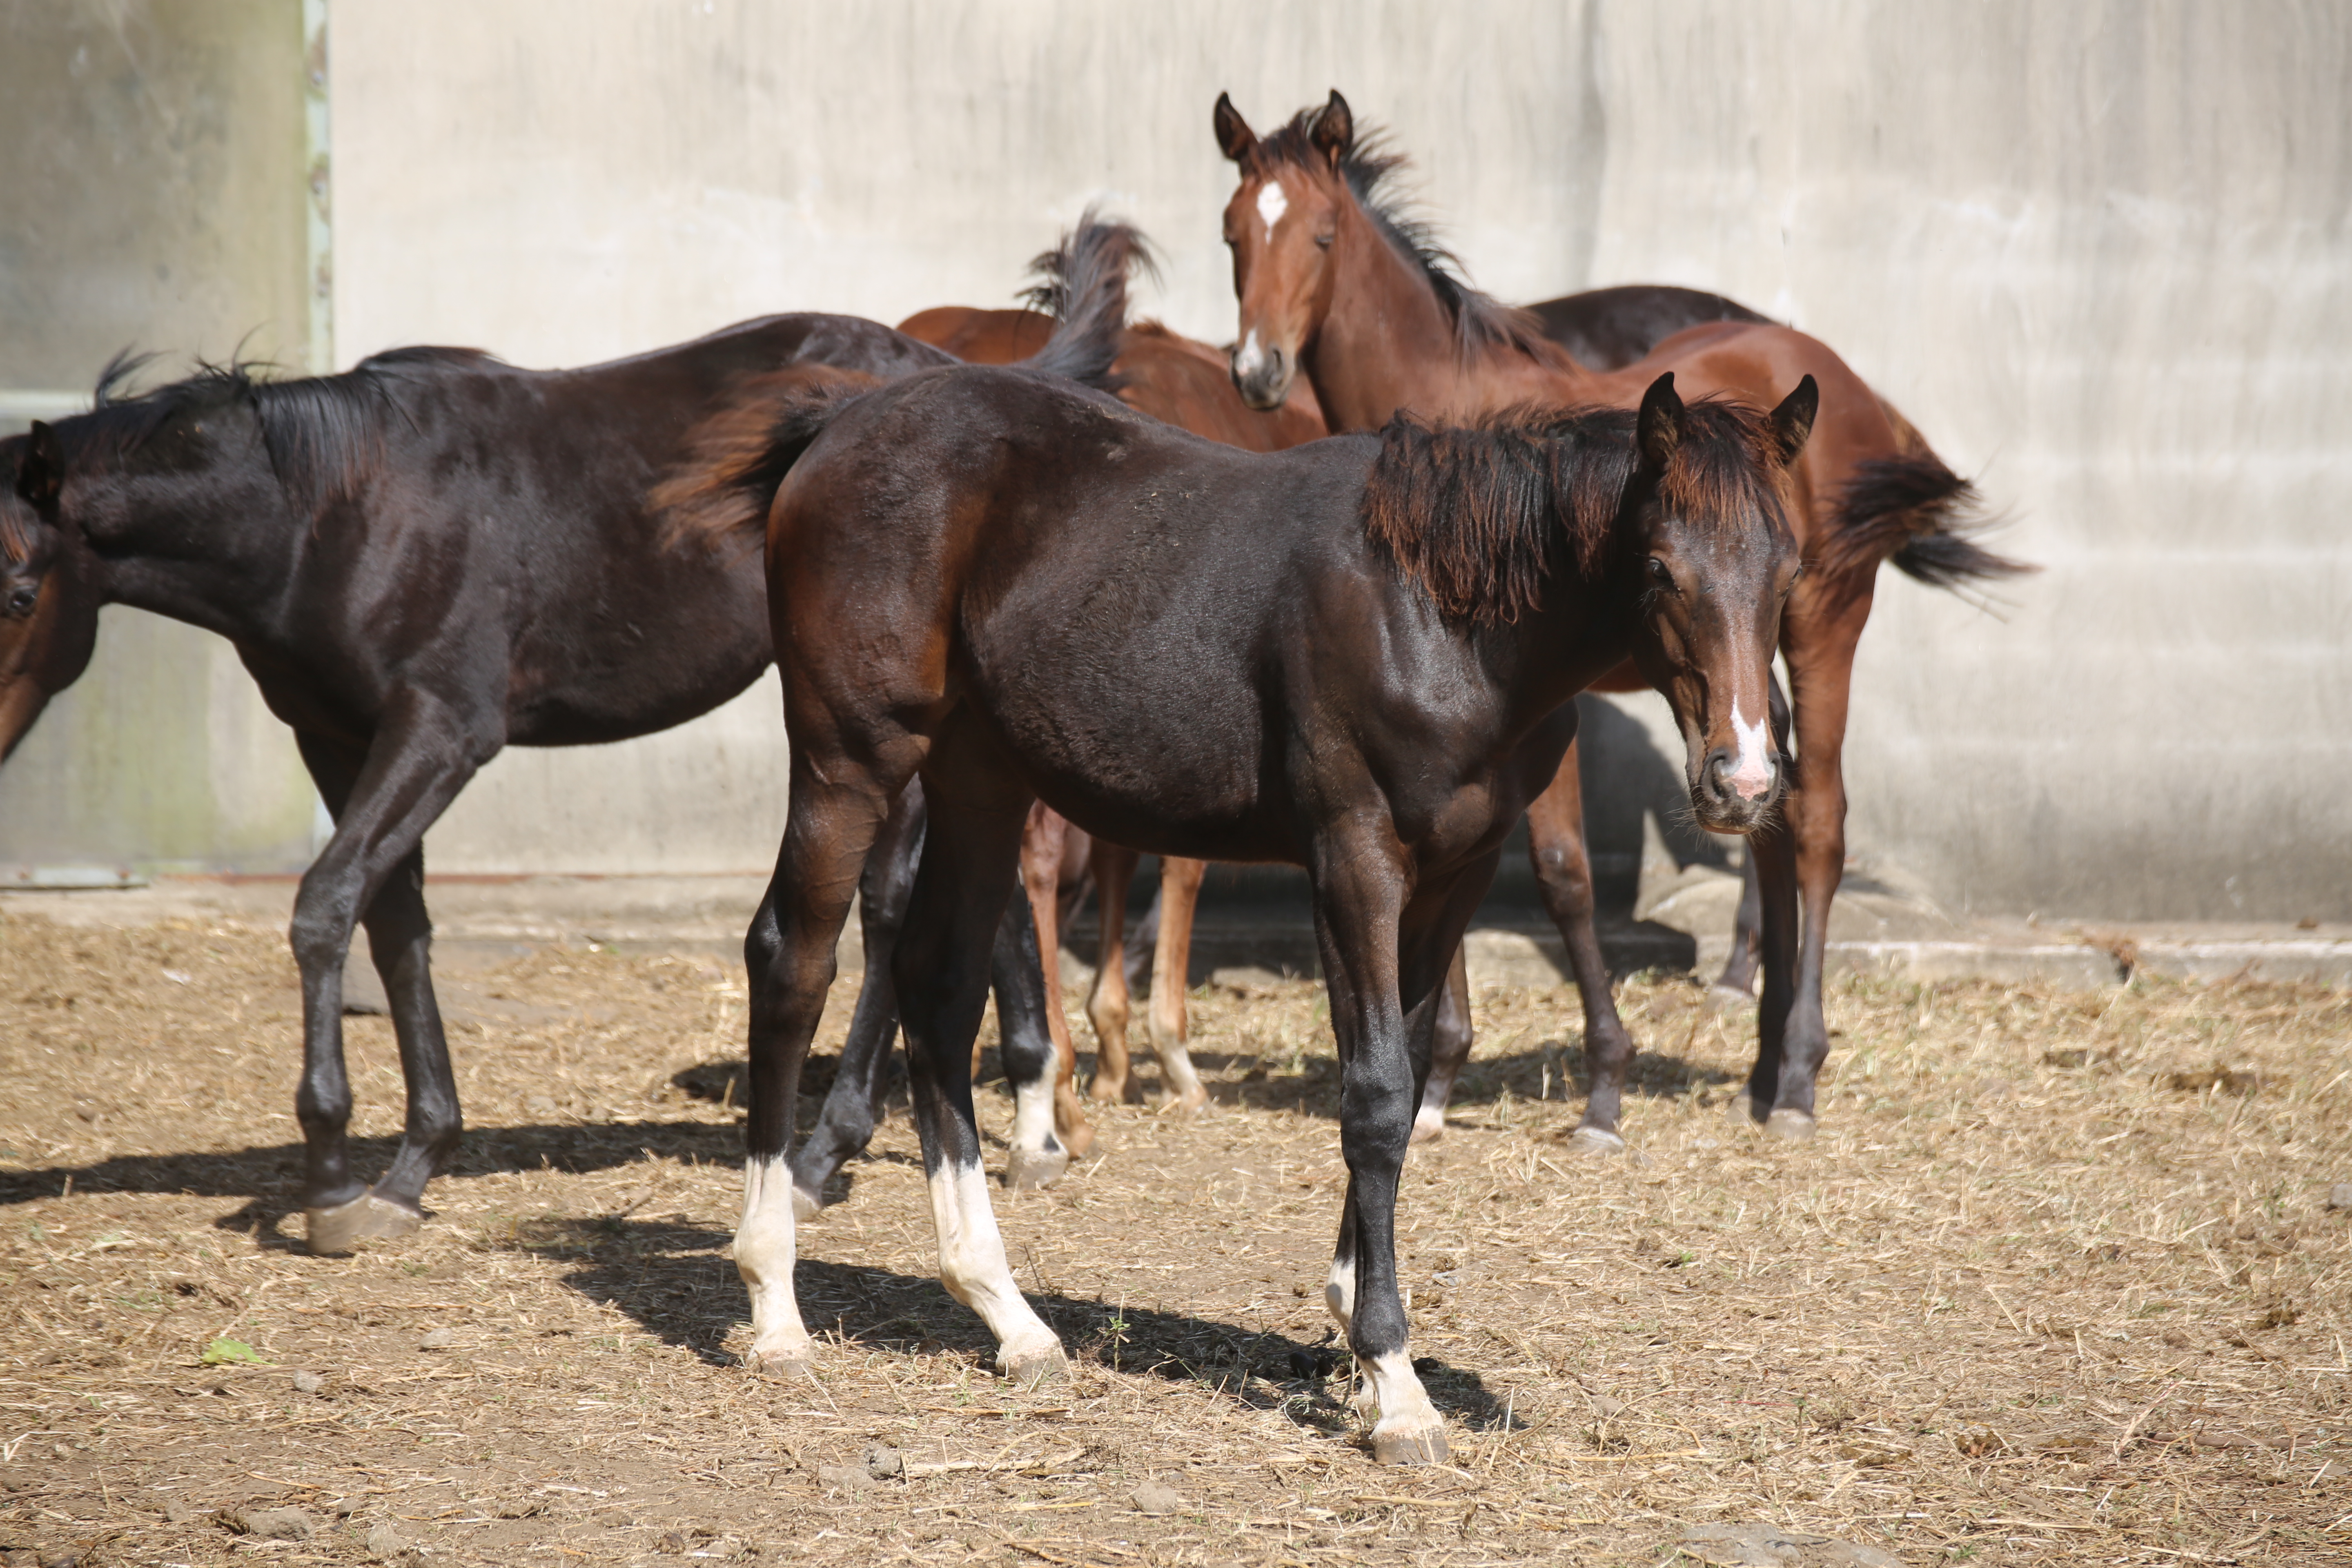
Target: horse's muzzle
[[1261, 375], [1730, 797]]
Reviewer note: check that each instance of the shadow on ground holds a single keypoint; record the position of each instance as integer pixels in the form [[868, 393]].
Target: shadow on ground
[[1550, 1069], [674, 1279], [272, 1174]]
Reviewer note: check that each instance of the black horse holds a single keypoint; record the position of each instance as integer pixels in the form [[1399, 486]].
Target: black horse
[[422, 560], [1356, 656]]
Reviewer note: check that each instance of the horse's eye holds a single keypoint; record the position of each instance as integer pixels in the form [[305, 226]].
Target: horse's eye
[[1660, 576], [1323, 242], [22, 599]]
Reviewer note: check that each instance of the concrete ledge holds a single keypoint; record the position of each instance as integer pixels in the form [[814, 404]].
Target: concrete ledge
[[708, 914]]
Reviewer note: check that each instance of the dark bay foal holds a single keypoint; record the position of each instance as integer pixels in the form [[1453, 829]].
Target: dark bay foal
[[422, 560], [1356, 656]]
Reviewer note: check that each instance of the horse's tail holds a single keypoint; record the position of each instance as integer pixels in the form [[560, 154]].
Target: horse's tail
[[1082, 284], [1914, 511], [737, 460]]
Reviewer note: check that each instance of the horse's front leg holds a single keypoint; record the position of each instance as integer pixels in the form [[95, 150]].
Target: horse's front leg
[[1108, 1002], [382, 801], [1359, 888], [838, 811], [1816, 812], [1564, 875], [942, 972], [1172, 962]]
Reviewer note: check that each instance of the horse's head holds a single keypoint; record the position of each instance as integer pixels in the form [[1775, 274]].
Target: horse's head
[[49, 585], [1718, 561], [1281, 225]]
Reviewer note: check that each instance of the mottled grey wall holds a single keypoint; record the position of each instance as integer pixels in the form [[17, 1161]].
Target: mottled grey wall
[[2098, 252], [154, 200]]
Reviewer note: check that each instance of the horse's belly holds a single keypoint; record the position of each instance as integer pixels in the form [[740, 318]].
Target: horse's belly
[[1172, 773]]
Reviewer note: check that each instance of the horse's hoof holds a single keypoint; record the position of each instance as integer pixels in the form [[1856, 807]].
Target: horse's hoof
[[806, 1205], [331, 1232], [1035, 1369], [1191, 1104], [1428, 1126], [1077, 1137], [1025, 1170], [1723, 998], [1427, 1446], [1787, 1123], [779, 1367], [1107, 1091], [1597, 1142]]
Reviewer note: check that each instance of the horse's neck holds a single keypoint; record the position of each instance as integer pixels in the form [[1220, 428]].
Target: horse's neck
[[1387, 343], [212, 550]]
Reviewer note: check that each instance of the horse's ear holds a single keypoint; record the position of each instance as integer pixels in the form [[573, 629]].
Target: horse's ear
[[1660, 428], [1793, 420], [41, 473], [1235, 138], [1335, 128]]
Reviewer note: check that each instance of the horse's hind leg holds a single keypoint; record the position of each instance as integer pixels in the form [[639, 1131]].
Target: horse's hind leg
[[853, 1106], [1172, 964], [1038, 1155], [1452, 1037], [400, 939], [1564, 874], [382, 801], [942, 972], [838, 809], [1108, 1005]]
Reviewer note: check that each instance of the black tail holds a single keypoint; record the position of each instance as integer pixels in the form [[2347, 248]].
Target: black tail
[[737, 460], [1915, 511], [1082, 284]]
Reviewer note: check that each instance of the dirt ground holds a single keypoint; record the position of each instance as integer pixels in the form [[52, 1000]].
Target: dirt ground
[[2059, 1281]]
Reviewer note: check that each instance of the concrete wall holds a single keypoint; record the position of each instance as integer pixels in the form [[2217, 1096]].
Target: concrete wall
[[2098, 253], [155, 199]]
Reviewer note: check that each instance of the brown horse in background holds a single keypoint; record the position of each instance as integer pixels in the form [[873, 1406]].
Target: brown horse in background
[[1332, 281]]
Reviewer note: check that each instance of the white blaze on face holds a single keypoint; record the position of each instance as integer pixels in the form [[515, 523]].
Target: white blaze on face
[[1249, 356], [1751, 772], [1272, 203]]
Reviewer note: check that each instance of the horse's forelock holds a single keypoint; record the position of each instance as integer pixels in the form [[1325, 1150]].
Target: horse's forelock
[[1725, 466]]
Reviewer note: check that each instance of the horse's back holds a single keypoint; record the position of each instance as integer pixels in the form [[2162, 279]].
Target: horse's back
[[1056, 554]]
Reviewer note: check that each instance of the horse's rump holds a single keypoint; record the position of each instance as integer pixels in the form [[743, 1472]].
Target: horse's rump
[[736, 459]]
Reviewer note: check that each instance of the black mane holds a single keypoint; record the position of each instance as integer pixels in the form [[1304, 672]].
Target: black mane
[[1478, 514], [1370, 166], [324, 434]]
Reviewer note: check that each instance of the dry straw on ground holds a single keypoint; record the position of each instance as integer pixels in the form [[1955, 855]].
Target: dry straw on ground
[[2058, 1282]]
